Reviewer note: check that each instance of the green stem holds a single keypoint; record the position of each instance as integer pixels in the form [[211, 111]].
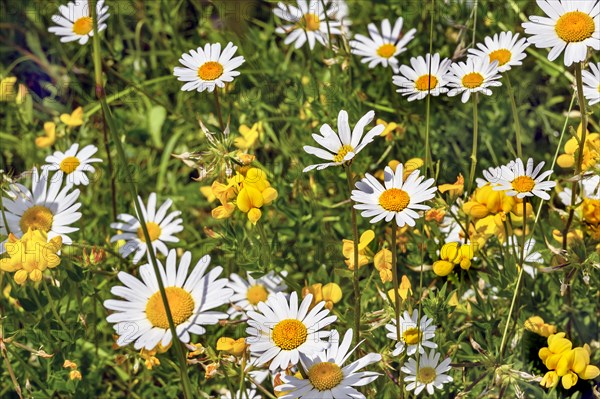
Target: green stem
[[394, 247], [515, 112], [475, 136], [218, 105], [53, 307], [428, 100], [266, 260], [355, 280], [100, 93]]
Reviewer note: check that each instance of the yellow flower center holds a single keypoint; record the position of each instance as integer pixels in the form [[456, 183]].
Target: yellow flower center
[[523, 184], [412, 336], [310, 22], [387, 50], [153, 231], [69, 164], [210, 70], [256, 293], [37, 217], [83, 26], [342, 153], [472, 80], [289, 334], [574, 26], [394, 200], [426, 82], [325, 376], [180, 302], [501, 55], [426, 375]]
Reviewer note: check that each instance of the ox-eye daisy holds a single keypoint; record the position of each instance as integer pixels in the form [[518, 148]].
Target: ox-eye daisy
[[161, 228], [248, 293], [74, 164], [415, 335], [427, 374], [591, 83], [208, 68], [397, 199], [46, 207], [520, 181], [279, 332], [570, 25], [75, 21], [382, 48], [342, 146], [326, 375], [141, 316], [308, 22], [419, 80], [505, 48], [474, 76]]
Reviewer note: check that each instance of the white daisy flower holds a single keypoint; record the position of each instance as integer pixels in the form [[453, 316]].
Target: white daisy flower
[[46, 207], [590, 187], [327, 376], [572, 26], [141, 317], [308, 22], [522, 182], [417, 82], [342, 146], [382, 48], [505, 48], [474, 76], [415, 335], [591, 83], [246, 394], [428, 374], [75, 21], [282, 331], [248, 293], [161, 228], [74, 164], [208, 68], [399, 199]]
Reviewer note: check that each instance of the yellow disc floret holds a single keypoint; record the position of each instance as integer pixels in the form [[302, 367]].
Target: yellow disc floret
[[501, 55], [574, 26], [472, 80], [83, 26], [426, 375], [346, 148], [386, 50], [523, 184], [426, 82], [310, 22], [69, 164], [256, 293], [289, 334], [412, 336], [210, 70], [37, 217], [180, 302], [154, 231], [325, 376], [394, 200]]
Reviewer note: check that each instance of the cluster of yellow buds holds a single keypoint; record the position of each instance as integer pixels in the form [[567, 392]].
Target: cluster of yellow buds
[[364, 253], [331, 293], [149, 356], [249, 190], [452, 254], [30, 255], [566, 363], [74, 374]]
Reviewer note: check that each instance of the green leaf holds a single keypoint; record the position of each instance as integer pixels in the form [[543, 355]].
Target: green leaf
[[156, 119]]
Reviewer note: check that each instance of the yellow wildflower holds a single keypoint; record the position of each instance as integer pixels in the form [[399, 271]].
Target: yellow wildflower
[[7, 89], [456, 189], [73, 120], [236, 347], [537, 325], [331, 293], [249, 136], [75, 375], [452, 254], [208, 193], [383, 264], [391, 128], [404, 289], [30, 255], [363, 250], [69, 364], [591, 151], [195, 350], [436, 214], [150, 360], [49, 138]]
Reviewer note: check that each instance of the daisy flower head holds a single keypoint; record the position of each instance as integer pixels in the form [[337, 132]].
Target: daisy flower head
[[570, 25], [428, 374], [476, 75], [397, 198], [73, 164], [75, 21], [209, 67], [342, 147], [161, 228], [326, 375], [247, 294], [47, 207], [522, 181], [415, 334], [504, 47], [383, 46], [425, 76], [140, 317], [309, 22], [280, 330], [591, 83]]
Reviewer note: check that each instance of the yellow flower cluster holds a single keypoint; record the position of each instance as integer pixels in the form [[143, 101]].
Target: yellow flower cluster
[[149, 356], [249, 190], [591, 151], [331, 293], [452, 254], [364, 253], [537, 325], [404, 290], [565, 362], [70, 120], [248, 136], [74, 374], [30, 255], [235, 347]]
